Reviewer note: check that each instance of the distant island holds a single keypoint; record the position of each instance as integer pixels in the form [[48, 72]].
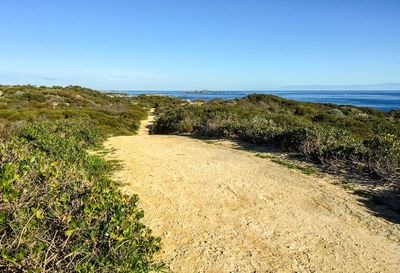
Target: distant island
[[197, 91]]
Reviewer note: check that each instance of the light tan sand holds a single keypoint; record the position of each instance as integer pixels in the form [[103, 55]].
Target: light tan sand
[[223, 210]]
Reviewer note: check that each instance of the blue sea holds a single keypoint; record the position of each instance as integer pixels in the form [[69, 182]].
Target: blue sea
[[382, 100]]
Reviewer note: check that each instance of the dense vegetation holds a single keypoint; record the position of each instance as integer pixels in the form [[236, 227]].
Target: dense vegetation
[[364, 139], [160, 103], [59, 210], [113, 114]]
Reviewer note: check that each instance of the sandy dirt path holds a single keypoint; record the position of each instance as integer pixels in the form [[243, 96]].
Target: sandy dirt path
[[223, 210]]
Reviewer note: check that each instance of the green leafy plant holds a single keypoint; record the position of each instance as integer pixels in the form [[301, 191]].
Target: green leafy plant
[[60, 211]]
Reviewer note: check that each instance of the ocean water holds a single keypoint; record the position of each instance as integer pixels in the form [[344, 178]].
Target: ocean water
[[382, 100]]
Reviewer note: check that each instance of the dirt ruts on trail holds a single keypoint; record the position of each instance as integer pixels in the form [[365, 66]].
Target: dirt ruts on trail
[[223, 210]]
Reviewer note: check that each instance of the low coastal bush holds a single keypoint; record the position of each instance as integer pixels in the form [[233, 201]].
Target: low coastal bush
[[160, 103], [60, 211], [383, 156], [365, 139], [112, 113]]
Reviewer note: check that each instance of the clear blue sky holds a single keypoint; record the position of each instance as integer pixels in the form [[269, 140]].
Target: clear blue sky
[[204, 44]]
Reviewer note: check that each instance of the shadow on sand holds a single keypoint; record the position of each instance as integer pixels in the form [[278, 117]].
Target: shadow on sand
[[384, 203]]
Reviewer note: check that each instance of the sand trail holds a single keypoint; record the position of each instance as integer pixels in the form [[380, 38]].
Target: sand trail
[[223, 210]]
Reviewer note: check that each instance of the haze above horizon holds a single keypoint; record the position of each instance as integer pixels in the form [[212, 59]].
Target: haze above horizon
[[196, 45]]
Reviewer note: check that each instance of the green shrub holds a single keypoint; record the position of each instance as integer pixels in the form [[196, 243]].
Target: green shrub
[[185, 126], [383, 156], [60, 211], [168, 122], [395, 113]]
